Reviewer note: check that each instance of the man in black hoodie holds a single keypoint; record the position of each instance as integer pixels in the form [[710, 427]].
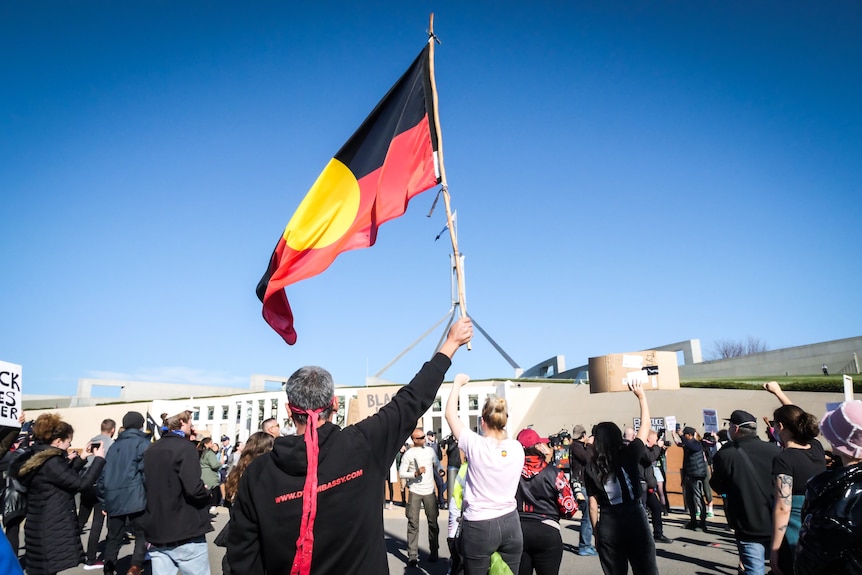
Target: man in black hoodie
[[314, 503]]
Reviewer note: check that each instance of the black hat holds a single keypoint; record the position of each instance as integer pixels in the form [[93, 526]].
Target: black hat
[[225, 438], [740, 417], [689, 431], [133, 420]]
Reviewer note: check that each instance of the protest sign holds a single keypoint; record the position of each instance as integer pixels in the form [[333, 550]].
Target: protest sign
[[10, 394], [710, 420]]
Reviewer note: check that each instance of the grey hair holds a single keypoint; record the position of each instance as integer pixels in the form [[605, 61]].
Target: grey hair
[[310, 387]]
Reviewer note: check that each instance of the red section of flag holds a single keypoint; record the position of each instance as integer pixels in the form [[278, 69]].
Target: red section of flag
[[407, 170]]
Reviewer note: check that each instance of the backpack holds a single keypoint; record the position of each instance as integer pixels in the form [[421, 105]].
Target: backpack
[[14, 501]]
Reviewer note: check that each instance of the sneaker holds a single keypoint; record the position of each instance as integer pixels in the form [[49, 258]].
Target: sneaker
[[710, 514], [691, 525], [663, 539], [94, 565], [587, 551], [213, 510], [413, 562]]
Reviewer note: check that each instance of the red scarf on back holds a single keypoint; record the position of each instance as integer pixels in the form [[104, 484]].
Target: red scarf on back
[[305, 542]]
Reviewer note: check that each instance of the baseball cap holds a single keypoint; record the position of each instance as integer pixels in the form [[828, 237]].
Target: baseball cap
[[529, 438], [740, 417], [843, 428], [689, 431], [578, 432], [225, 438]]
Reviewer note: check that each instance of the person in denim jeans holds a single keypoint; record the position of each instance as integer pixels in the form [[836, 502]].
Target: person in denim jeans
[[580, 455], [742, 470], [490, 519]]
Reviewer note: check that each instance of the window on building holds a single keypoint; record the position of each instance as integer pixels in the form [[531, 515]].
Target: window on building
[[210, 413], [473, 402]]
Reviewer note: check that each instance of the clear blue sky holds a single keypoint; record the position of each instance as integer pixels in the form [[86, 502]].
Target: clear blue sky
[[626, 174]]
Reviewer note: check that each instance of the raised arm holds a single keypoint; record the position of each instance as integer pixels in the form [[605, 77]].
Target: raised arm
[[455, 423], [775, 389], [639, 392], [459, 334]]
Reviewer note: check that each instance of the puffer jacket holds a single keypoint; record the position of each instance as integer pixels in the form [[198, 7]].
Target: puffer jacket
[[51, 530], [830, 540]]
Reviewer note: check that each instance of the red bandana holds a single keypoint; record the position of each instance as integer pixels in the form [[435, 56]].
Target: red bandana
[[305, 543]]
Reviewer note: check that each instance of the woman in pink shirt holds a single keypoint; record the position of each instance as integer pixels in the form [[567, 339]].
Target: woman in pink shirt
[[490, 519]]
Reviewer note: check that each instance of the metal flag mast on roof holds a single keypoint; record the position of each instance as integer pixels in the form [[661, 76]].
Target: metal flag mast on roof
[[459, 300]]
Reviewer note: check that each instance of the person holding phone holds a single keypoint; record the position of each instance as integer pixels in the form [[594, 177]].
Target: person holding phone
[[52, 475], [90, 503]]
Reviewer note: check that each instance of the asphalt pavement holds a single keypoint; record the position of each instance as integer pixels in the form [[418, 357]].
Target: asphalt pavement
[[691, 553]]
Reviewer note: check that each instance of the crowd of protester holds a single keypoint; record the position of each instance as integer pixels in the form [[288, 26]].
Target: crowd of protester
[[793, 507]]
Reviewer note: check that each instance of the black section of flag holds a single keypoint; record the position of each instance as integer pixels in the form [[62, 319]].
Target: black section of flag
[[401, 109]]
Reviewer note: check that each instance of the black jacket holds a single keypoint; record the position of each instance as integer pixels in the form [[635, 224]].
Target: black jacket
[[51, 530], [580, 455], [647, 464], [177, 501], [121, 484], [543, 492], [352, 465], [830, 540], [749, 495]]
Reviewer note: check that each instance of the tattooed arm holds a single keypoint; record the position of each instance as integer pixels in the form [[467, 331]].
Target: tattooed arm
[[780, 516]]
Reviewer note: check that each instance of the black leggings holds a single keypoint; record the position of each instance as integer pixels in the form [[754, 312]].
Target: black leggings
[[623, 539], [543, 548]]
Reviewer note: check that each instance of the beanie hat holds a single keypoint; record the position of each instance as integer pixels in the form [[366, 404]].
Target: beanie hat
[[133, 420], [843, 428]]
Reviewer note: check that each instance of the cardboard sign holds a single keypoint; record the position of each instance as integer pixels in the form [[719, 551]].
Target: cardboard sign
[[10, 394], [369, 401]]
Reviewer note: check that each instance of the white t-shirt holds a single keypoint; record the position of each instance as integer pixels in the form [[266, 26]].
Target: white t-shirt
[[493, 471]]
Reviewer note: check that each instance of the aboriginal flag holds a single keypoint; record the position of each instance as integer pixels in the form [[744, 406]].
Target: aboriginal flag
[[391, 158]]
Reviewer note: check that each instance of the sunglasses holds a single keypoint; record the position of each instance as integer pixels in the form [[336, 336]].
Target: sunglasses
[[420, 437]]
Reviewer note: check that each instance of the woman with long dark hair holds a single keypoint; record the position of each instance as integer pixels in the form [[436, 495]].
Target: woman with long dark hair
[[52, 475], [801, 459], [619, 521]]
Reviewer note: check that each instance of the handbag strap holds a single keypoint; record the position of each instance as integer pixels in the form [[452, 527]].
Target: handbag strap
[[750, 465]]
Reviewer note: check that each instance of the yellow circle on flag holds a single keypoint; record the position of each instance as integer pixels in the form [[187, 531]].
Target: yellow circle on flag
[[327, 211]]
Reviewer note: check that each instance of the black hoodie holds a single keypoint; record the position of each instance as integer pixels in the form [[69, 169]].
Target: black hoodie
[[352, 466]]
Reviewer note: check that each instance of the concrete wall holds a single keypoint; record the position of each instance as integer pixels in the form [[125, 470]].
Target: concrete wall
[[838, 355]]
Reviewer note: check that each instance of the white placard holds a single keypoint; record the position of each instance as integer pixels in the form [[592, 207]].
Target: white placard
[[670, 423], [10, 394], [633, 361], [636, 377], [848, 388], [710, 420]]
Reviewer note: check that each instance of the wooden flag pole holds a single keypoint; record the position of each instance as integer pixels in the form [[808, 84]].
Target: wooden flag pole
[[459, 272]]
